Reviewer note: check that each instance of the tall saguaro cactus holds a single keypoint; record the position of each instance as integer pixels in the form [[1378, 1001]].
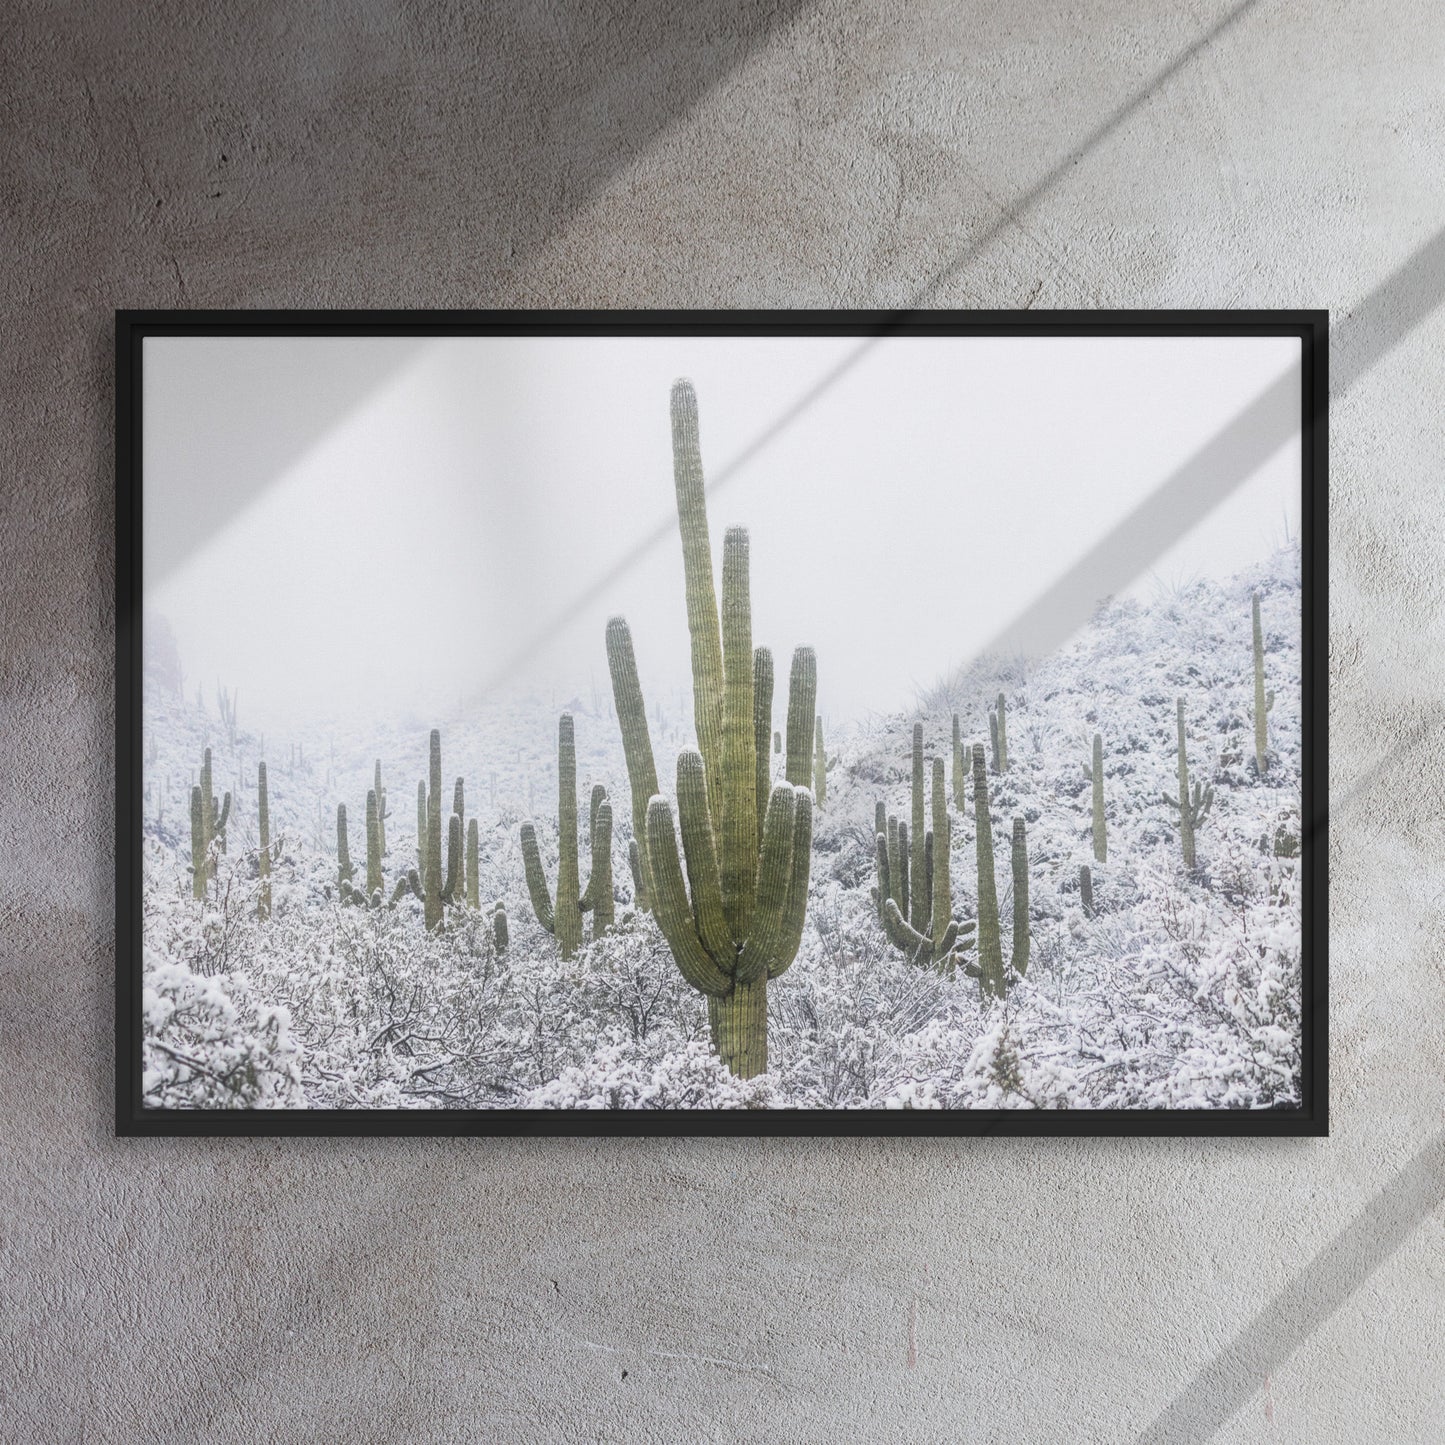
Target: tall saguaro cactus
[[1095, 774], [208, 828], [563, 918], [1263, 701], [1020, 861], [263, 858], [737, 920], [1193, 803]]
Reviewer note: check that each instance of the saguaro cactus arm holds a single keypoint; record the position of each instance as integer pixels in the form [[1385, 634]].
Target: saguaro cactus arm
[[737, 792], [763, 725], [538, 888], [674, 915], [636, 744]]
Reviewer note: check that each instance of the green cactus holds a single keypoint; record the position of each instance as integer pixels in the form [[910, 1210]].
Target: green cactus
[[959, 770], [1086, 889], [564, 917], [1095, 774], [373, 847], [226, 706], [762, 723], [208, 829], [1193, 803], [427, 882], [500, 935], [473, 850], [998, 735], [459, 810], [1263, 701], [382, 811], [263, 857], [941, 941], [990, 945], [1020, 860], [421, 829], [738, 919], [344, 871]]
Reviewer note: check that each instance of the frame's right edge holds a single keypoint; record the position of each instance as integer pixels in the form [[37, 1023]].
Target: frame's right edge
[[1314, 714]]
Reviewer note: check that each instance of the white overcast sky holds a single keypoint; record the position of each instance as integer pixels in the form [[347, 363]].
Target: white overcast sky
[[380, 525]]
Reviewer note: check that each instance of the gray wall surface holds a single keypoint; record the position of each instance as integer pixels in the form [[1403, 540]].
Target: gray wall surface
[[1105, 153]]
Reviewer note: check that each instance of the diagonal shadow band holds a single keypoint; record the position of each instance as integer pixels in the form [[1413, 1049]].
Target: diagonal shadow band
[[1008, 216], [1305, 1303]]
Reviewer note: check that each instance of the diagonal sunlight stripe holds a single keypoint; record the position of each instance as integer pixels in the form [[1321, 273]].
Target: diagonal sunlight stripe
[[1305, 1303], [1007, 217]]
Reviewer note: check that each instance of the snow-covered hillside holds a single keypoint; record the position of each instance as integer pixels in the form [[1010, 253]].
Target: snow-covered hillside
[[1178, 991]]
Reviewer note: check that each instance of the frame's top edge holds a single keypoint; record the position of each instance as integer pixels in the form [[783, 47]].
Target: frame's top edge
[[1062, 322]]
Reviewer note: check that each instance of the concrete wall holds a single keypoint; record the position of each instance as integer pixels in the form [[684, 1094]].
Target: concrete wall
[[240, 153]]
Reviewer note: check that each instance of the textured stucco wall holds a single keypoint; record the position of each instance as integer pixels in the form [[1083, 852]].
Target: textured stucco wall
[[254, 154]]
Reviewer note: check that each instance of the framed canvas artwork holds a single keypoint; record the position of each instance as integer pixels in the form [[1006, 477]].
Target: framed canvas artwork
[[721, 723]]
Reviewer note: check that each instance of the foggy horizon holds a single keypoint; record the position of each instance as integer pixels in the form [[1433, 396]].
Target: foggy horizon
[[374, 527]]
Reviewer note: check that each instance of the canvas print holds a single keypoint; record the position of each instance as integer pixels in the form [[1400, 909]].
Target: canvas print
[[723, 724]]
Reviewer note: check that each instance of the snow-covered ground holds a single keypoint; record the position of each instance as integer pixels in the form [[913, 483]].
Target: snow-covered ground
[[1181, 992]]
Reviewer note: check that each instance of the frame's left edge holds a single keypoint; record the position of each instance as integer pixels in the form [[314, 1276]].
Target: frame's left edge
[[128, 682]]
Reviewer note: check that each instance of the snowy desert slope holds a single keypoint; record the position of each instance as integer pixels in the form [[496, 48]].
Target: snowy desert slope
[[1182, 991]]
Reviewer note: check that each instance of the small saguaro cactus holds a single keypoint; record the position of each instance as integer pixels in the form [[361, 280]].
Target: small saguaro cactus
[[1095, 774], [208, 828], [344, 871], [1020, 861], [563, 918], [382, 811], [473, 852], [1086, 889], [1193, 803], [998, 735], [500, 935], [960, 770], [1263, 701], [373, 846], [990, 945], [263, 857], [742, 920], [226, 706], [459, 810], [942, 940]]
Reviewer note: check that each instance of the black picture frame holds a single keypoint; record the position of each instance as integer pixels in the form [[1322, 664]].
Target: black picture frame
[[1311, 327]]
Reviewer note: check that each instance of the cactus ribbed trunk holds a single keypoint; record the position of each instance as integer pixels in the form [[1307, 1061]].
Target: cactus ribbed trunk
[[569, 881], [473, 850], [198, 845], [942, 907], [344, 871], [459, 807], [958, 767], [380, 806], [421, 829], [990, 945], [1002, 735], [1096, 773], [1261, 703], [1086, 890], [920, 902], [263, 864], [1186, 813], [432, 906], [373, 848], [1021, 898], [742, 1028]]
